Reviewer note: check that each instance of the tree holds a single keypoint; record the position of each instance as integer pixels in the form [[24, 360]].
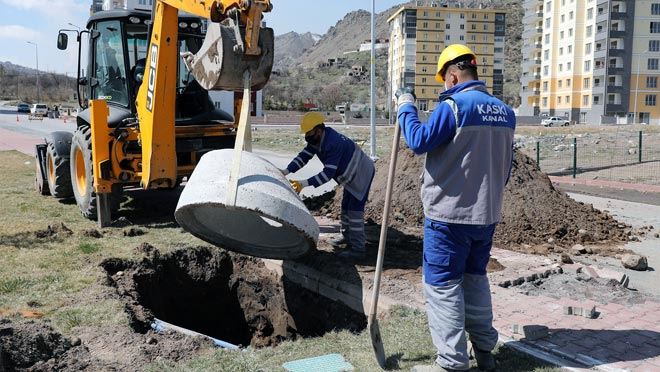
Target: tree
[[331, 96]]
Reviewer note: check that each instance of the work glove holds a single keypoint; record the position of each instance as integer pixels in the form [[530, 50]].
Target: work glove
[[404, 96], [298, 185]]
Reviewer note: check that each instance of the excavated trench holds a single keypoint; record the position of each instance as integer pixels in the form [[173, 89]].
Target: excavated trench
[[224, 295]]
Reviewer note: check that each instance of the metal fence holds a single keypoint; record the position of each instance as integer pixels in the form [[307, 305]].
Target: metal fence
[[621, 155]]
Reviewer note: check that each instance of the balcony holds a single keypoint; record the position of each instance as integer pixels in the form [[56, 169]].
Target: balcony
[[618, 15], [615, 107], [600, 53], [615, 70], [617, 34], [614, 88], [602, 17], [617, 52], [539, 29]]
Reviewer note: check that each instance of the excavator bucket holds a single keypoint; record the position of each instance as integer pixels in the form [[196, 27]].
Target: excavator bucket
[[220, 62]]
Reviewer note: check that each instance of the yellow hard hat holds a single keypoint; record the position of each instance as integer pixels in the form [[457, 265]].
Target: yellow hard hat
[[449, 54], [310, 121]]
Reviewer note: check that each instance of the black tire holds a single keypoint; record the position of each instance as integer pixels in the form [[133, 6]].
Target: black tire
[[82, 176], [57, 166]]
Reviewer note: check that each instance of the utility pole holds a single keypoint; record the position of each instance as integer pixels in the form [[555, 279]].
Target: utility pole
[[373, 80], [36, 47]]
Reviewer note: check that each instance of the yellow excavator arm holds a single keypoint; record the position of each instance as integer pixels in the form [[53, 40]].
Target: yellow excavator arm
[[156, 97]]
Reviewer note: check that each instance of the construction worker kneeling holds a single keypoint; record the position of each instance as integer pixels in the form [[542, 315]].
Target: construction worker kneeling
[[346, 163]]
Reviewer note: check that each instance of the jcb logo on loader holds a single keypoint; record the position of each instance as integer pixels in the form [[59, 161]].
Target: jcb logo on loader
[[152, 77]]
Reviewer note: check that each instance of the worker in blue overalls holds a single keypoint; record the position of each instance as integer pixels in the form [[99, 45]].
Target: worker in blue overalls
[[468, 145], [346, 163]]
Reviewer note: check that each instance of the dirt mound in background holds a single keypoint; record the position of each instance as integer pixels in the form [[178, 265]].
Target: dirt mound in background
[[533, 213]]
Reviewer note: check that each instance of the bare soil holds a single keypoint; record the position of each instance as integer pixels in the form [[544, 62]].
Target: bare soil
[[536, 217], [227, 296]]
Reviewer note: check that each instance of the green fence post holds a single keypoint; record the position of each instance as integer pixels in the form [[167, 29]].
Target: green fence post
[[538, 154], [574, 157], [640, 146]]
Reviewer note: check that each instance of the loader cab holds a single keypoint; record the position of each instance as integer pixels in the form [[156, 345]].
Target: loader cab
[[116, 62]]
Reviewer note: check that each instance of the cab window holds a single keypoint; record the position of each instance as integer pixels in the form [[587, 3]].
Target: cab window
[[109, 67]]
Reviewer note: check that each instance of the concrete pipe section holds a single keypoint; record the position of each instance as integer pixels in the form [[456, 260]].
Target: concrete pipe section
[[269, 220]]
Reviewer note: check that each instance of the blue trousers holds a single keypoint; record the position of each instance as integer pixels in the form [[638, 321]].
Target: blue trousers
[[352, 219], [456, 290]]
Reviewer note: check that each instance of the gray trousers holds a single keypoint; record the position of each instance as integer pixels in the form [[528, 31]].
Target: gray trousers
[[352, 228], [461, 305]]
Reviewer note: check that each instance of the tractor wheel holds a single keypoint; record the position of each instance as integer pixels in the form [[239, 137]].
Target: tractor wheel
[[82, 177], [57, 165]]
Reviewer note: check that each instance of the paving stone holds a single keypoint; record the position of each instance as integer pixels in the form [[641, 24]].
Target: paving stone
[[534, 332]]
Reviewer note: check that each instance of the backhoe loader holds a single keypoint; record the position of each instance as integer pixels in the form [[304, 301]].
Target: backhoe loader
[[146, 115]]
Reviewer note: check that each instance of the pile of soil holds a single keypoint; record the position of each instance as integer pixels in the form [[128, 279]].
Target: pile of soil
[[534, 212], [36, 346], [227, 296]]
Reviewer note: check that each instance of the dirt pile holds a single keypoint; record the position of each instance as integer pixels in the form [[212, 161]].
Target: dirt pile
[[36, 346], [533, 213], [230, 297]]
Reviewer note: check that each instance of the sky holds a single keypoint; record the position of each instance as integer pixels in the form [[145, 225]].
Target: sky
[[38, 21]]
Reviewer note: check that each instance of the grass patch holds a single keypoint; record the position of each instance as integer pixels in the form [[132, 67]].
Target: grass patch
[[88, 248], [12, 285]]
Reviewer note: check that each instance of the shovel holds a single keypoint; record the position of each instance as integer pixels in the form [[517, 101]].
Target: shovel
[[374, 329]]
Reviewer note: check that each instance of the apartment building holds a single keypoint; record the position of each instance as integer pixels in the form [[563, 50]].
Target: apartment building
[[421, 30], [592, 61]]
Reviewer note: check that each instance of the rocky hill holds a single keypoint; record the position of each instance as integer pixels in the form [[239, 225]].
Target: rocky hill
[[290, 46]]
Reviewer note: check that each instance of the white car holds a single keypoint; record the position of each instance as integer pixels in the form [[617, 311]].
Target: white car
[[39, 109], [555, 121]]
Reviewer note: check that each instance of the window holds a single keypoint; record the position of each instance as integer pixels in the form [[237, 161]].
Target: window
[[547, 38], [547, 22], [589, 30], [585, 100], [587, 48], [461, 38], [655, 27], [437, 25], [447, 37], [109, 48], [570, 32], [561, 51], [474, 15], [462, 15], [426, 14], [473, 37], [447, 26], [596, 100], [570, 49], [651, 81], [424, 70], [462, 27], [545, 86], [438, 14], [559, 84], [425, 25], [437, 47], [587, 65], [570, 15], [545, 101], [474, 26], [485, 49], [545, 70], [498, 50], [652, 64], [485, 26], [561, 67], [590, 13], [559, 100], [650, 100], [568, 99], [561, 35], [655, 9], [546, 54], [569, 65], [585, 83], [485, 15], [562, 18], [568, 83], [484, 38], [423, 80], [654, 45]]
